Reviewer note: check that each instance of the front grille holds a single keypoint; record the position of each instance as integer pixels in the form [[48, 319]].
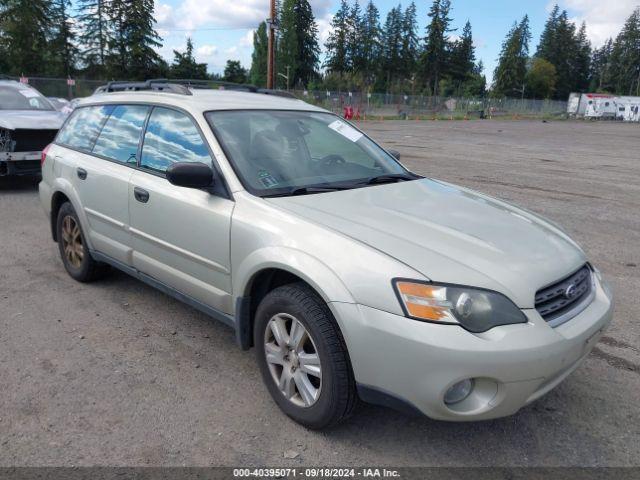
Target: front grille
[[562, 300], [32, 140]]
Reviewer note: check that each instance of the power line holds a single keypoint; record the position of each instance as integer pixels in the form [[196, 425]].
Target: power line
[[209, 29]]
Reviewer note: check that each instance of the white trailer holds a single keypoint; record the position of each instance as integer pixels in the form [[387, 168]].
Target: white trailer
[[600, 107]]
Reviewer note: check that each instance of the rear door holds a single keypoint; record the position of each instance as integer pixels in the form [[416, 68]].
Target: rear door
[[180, 235], [106, 140]]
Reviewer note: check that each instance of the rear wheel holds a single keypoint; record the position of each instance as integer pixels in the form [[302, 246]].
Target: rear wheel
[[73, 249], [303, 358]]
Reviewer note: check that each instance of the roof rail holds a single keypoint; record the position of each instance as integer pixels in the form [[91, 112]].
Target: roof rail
[[254, 89], [158, 85]]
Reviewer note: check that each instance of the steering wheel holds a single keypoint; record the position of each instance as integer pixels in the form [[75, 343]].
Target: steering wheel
[[331, 160]]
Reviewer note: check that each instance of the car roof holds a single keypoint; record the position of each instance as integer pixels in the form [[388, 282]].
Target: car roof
[[16, 85], [202, 100]]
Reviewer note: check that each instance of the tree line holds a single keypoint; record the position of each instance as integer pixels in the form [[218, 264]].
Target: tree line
[[565, 62], [101, 39], [117, 39], [363, 53]]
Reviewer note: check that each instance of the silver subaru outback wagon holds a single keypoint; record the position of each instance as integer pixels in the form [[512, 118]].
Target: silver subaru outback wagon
[[352, 277]]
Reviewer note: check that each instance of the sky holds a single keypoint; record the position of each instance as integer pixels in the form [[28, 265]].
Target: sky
[[223, 30]]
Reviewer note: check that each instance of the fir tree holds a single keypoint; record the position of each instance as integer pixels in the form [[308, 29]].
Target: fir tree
[[371, 47], [63, 51], [434, 59], [298, 46], [600, 68], [184, 65], [410, 41], [337, 49], [95, 37], [510, 74], [234, 72], [625, 57], [26, 28], [392, 45]]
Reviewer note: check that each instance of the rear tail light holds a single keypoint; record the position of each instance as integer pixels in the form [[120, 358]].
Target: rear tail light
[[44, 154]]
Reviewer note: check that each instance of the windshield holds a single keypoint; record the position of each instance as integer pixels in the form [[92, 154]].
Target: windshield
[[282, 152], [22, 98]]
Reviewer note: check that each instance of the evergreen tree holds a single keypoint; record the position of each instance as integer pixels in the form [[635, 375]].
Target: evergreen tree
[[298, 46], [510, 74], [370, 40], [63, 51], [355, 56], [26, 28], [260, 56], [337, 48], [582, 61], [463, 57], [94, 23], [600, 69], [548, 43], [434, 58], [625, 57], [410, 41], [184, 65], [392, 45], [136, 40], [234, 72]]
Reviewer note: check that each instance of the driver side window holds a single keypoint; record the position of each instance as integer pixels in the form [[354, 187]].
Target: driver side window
[[171, 137], [322, 142]]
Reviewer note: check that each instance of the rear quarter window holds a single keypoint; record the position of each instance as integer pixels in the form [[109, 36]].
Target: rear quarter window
[[82, 128]]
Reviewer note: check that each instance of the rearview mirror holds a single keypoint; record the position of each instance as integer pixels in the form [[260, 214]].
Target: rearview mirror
[[395, 154], [190, 175]]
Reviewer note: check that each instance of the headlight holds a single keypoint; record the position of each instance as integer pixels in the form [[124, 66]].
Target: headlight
[[474, 309]]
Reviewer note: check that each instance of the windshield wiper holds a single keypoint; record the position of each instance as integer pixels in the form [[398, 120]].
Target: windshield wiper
[[309, 190], [390, 178]]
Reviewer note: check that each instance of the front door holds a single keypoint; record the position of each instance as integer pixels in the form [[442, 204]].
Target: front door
[[180, 235]]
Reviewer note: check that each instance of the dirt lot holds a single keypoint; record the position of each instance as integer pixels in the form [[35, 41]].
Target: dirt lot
[[115, 373]]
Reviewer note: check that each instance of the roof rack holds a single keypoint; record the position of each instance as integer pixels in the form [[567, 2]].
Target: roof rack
[[158, 85], [254, 89], [184, 87]]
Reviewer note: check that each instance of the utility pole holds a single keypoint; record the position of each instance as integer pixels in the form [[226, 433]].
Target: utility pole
[[271, 62]]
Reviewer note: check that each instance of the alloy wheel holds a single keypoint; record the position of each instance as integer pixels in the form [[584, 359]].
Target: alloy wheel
[[72, 241], [293, 360]]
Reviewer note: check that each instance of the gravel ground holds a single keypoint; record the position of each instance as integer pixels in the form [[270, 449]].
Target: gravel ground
[[116, 373]]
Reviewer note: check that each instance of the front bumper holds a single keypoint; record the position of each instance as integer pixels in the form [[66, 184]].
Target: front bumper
[[414, 363], [19, 163]]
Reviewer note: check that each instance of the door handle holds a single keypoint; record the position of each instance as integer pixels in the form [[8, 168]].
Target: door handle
[[82, 173], [141, 194]]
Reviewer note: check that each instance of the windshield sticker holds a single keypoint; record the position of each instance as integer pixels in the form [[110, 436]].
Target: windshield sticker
[[28, 93], [346, 130], [267, 179]]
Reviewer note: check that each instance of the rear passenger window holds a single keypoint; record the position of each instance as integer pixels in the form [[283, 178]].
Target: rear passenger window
[[171, 137], [120, 136], [83, 127]]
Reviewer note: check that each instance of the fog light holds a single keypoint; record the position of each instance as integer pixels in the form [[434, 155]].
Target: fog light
[[458, 392]]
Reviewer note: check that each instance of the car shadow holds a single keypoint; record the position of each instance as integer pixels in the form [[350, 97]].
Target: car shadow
[[19, 184]]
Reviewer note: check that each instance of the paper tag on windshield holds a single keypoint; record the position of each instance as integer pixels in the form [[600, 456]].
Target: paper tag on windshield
[[29, 93], [346, 130]]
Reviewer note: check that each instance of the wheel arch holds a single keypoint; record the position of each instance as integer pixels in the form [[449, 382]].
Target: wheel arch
[[276, 267]]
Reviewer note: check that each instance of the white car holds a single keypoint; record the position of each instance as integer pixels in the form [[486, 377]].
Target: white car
[[28, 123], [351, 276]]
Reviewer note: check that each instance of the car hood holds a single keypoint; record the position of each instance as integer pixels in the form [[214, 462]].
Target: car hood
[[449, 234], [31, 119]]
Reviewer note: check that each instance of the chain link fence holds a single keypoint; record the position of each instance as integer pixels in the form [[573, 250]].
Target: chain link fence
[[363, 106], [383, 105]]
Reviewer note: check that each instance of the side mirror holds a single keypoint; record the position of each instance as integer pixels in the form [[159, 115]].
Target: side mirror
[[190, 175], [395, 154]]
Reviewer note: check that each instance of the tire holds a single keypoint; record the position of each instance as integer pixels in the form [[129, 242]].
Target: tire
[[79, 263], [332, 396]]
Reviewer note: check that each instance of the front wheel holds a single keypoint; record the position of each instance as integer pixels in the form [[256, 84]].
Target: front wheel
[[303, 358]]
